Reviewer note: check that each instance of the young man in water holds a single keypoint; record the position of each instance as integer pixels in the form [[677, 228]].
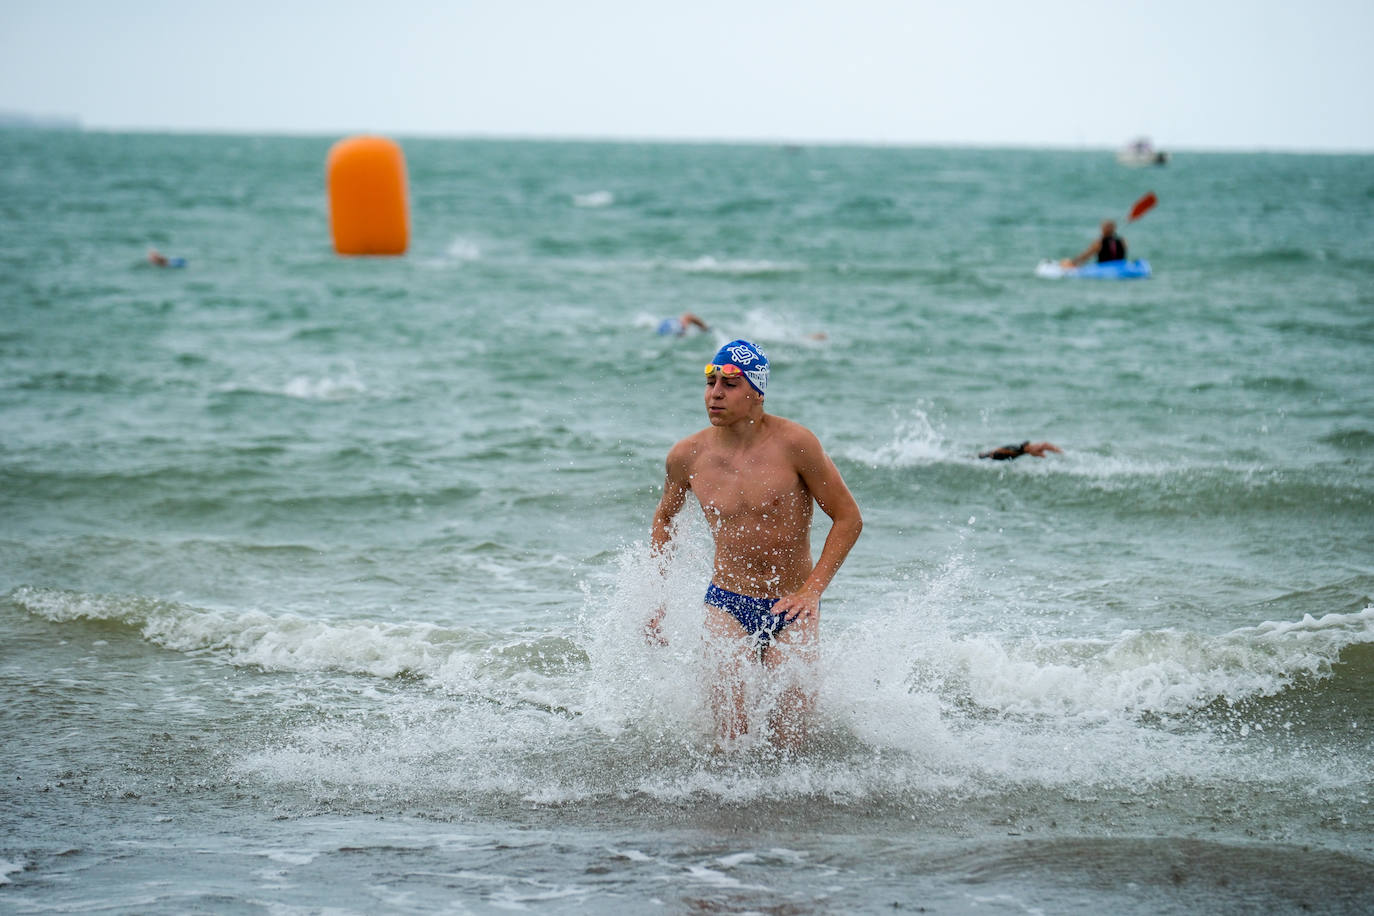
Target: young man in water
[[757, 477]]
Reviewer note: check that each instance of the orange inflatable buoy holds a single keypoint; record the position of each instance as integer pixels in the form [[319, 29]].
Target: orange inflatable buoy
[[368, 213]]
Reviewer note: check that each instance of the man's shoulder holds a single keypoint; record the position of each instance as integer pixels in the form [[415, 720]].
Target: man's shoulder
[[792, 432], [690, 445], [694, 440]]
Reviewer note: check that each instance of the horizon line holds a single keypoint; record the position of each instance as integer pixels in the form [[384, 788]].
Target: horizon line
[[59, 123]]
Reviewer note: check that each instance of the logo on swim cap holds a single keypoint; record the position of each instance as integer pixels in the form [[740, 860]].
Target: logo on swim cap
[[741, 355], [748, 357]]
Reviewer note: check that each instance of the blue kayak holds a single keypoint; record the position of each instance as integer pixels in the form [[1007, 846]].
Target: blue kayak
[[1112, 270]]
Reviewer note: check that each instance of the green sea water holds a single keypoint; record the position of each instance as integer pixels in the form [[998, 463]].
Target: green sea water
[[320, 578]]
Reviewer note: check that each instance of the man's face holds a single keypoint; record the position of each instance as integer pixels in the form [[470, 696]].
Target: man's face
[[729, 398]]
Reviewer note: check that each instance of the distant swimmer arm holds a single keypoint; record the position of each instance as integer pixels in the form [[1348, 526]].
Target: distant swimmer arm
[[694, 320]]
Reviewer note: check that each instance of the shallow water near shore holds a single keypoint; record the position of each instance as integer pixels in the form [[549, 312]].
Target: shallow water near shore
[[321, 579]]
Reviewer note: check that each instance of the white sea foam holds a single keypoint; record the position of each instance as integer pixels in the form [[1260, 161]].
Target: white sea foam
[[915, 440], [324, 388], [461, 250], [594, 199], [273, 642], [907, 707], [706, 264], [9, 867], [464, 249], [329, 386], [768, 327], [711, 877], [906, 653]]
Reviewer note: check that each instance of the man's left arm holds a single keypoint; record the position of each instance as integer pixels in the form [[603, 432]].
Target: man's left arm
[[828, 488]]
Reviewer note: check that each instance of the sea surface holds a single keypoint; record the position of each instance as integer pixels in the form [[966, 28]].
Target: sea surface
[[321, 578]]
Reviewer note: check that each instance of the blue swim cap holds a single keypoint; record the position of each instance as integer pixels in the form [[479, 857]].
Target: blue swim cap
[[751, 360]]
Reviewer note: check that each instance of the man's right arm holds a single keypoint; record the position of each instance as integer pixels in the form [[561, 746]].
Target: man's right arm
[[1088, 254], [676, 483]]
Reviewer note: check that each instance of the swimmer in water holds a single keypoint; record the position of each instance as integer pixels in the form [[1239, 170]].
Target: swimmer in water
[[158, 259], [1008, 452], [678, 327]]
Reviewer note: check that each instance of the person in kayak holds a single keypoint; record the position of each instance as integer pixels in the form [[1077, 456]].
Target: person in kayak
[[1107, 247]]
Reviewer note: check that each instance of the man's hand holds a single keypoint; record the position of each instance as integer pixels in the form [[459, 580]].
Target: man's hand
[[798, 605], [653, 632]]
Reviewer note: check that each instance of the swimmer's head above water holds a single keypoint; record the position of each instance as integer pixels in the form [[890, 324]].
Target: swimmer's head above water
[[741, 357]]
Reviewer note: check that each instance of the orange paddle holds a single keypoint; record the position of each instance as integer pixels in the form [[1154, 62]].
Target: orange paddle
[[1142, 206]]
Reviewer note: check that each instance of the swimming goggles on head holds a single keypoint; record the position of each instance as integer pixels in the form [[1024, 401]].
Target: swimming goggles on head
[[729, 370]]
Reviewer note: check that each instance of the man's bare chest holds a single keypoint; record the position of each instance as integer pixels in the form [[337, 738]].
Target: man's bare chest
[[731, 488]]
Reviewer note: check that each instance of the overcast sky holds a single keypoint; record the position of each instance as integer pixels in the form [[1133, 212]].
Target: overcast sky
[[1196, 74]]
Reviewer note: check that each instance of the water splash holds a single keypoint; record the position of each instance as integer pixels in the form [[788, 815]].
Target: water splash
[[915, 440], [910, 710]]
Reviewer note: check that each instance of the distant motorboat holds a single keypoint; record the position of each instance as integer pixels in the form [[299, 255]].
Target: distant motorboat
[[1140, 153]]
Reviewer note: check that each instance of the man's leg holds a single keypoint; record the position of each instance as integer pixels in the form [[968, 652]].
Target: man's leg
[[731, 651], [794, 649]]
